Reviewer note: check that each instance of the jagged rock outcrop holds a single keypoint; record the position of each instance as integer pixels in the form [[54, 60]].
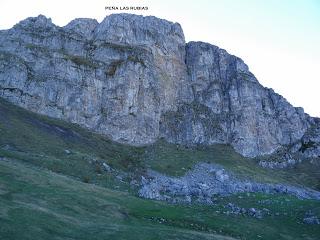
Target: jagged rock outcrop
[[207, 180], [232, 107], [135, 80], [288, 161], [309, 146], [116, 77]]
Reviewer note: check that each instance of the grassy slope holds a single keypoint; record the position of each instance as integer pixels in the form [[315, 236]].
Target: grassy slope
[[42, 141], [175, 160], [37, 203]]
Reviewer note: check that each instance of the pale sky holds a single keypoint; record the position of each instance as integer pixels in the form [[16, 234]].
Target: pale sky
[[278, 39]]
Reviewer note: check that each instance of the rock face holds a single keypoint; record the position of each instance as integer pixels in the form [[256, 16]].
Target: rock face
[[230, 106], [310, 143], [135, 80]]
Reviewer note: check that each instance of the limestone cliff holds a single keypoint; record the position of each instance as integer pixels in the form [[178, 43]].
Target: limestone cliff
[[135, 80]]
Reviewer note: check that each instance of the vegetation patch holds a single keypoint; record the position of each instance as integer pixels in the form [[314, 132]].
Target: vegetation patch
[[79, 60], [111, 71], [306, 145]]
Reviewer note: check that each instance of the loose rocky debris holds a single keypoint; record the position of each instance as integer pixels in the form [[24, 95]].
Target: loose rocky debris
[[67, 151], [207, 180], [106, 167], [251, 212], [101, 167], [286, 161], [310, 218]]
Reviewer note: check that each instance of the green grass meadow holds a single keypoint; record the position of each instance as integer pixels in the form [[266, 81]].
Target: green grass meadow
[[47, 192]]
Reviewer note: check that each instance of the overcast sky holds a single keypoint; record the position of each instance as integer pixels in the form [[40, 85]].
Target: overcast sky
[[279, 40]]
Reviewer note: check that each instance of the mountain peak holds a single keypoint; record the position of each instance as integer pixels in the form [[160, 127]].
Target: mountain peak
[[134, 79], [136, 29], [38, 22], [83, 26]]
